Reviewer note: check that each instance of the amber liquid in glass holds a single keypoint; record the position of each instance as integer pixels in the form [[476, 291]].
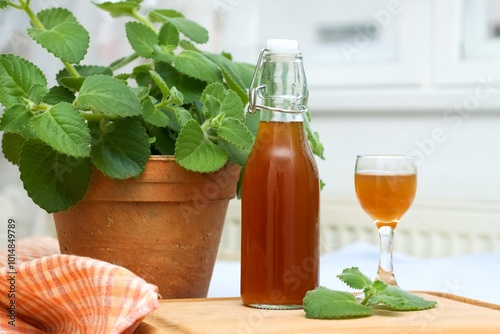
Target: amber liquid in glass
[[385, 197], [280, 218]]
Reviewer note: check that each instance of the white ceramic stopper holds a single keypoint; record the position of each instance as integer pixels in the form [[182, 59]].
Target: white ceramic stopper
[[283, 45]]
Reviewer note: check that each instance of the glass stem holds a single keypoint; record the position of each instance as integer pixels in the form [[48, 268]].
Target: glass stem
[[385, 267]]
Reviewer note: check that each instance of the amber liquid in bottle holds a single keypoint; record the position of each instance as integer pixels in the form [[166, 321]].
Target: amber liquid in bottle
[[280, 218]]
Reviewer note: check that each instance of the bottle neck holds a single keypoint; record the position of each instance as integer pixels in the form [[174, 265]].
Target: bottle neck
[[278, 116]]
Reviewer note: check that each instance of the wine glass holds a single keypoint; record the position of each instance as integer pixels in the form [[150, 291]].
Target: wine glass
[[385, 187]]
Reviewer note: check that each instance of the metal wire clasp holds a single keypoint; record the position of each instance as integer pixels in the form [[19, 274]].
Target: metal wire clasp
[[253, 93]]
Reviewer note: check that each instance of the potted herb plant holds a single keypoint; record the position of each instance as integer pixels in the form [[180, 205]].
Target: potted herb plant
[[138, 166]]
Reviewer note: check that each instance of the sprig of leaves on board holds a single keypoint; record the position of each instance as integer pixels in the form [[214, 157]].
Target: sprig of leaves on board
[[324, 303]]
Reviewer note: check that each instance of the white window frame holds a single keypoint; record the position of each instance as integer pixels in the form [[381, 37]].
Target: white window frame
[[450, 66]]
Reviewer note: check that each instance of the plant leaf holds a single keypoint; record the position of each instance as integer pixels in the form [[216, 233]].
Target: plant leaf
[[169, 35], [231, 73], [252, 122], [197, 66], [67, 80], [160, 83], [182, 116], [323, 303], [54, 181], [121, 8], [232, 106], [11, 146], [355, 278], [142, 38], [191, 88], [64, 129], [154, 116], [233, 85], [3, 4], [211, 106], [15, 118], [62, 35], [235, 153], [236, 133], [244, 72], [120, 149], [190, 29], [58, 94], [108, 95], [195, 152], [17, 76], [37, 92], [216, 90], [400, 300]]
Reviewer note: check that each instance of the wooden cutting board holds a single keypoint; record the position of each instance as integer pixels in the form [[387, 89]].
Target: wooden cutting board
[[452, 314]]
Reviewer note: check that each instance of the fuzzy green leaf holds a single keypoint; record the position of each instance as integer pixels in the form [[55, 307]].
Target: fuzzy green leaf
[[176, 98], [160, 14], [142, 38], [62, 35], [235, 153], [140, 92], [37, 92], [323, 303], [211, 106], [355, 278], [121, 8], [17, 76], [64, 129], [182, 116], [120, 149], [231, 73], [108, 95], [195, 152], [190, 29], [152, 115], [191, 88], [15, 118], [252, 122], [163, 53], [54, 181], [160, 83], [11, 146], [401, 300], [197, 66], [216, 90], [58, 94], [232, 106], [236, 133], [169, 35], [67, 80], [245, 72], [233, 85], [3, 4]]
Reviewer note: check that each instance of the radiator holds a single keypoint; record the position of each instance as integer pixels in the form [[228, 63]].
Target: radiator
[[431, 228]]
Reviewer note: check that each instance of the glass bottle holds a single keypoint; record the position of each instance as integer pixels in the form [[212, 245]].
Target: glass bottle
[[280, 189]]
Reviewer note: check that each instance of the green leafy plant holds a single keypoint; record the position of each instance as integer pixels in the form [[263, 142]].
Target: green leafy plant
[[324, 303], [178, 101]]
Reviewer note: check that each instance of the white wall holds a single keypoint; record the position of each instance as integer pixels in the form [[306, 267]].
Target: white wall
[[459, 163]]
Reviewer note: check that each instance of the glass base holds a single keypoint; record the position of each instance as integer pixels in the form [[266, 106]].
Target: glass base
[[276, 307]]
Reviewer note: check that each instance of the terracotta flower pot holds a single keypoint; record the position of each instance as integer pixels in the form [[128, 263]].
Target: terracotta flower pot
[[165, 226]]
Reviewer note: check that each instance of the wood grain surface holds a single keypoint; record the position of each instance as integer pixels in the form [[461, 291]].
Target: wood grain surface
[[452, 314]]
